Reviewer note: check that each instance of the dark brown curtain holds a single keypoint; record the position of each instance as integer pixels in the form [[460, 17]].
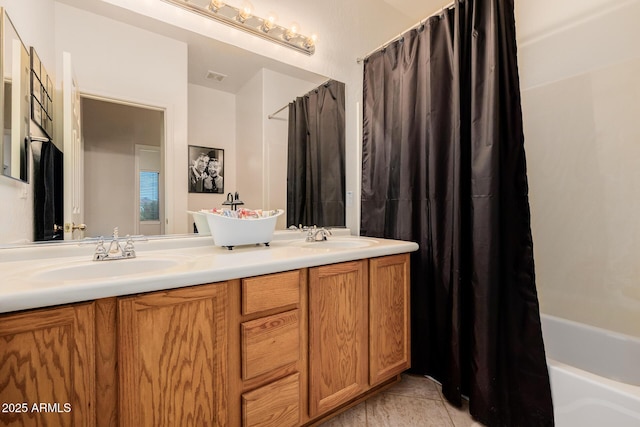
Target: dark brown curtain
[[444, 165], [315, 169], [47, 191]]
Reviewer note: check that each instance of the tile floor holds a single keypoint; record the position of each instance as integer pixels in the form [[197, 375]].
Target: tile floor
[[414, 402]]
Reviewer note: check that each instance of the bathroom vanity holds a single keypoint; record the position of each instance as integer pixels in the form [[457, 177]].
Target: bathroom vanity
[[285, 335]]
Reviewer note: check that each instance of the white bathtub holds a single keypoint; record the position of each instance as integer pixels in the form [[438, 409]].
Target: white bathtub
[[595, 374]]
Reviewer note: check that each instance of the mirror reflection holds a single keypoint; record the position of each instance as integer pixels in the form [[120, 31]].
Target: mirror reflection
[[208, 94], [14, 62]]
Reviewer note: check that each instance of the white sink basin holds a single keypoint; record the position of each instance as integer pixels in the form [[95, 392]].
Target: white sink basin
[[92, 270], [337, 243]]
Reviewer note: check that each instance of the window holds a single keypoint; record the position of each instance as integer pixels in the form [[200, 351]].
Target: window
[[149, 196]]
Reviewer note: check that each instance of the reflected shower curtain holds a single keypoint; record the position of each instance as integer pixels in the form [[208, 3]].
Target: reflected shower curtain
[[444, 165], [315, 169]]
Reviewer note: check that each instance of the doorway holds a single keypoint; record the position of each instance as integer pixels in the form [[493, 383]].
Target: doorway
[[123, 167]]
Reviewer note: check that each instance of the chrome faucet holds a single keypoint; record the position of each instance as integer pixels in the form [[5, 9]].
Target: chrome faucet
[[313, 233], [115, 249]]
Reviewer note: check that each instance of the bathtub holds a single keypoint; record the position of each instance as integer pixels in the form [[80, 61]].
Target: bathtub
[[594, 373]]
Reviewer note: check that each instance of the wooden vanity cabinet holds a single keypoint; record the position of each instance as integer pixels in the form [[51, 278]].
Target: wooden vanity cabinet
[[47, 367], [282, 350], [172, 353]]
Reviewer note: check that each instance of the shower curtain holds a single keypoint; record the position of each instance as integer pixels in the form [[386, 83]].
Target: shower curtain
[[315, 169], [444, 165]]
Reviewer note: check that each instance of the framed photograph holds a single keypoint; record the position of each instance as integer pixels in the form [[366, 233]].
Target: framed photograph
[[36, 111], [206, 170], [35, 63], [36, 87], [49, 88]]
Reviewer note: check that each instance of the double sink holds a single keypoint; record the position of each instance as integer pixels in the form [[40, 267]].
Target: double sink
[[158, 262]]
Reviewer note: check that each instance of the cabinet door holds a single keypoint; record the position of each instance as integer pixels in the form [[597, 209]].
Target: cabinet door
[[389, 337], [47, 367], [173, 357], [338, 316]]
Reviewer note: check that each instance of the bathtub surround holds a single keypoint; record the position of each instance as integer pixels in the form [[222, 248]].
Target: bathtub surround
[[444, 165], [580, 84], [595, 377]]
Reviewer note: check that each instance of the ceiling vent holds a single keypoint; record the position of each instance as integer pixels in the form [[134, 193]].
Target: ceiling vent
[[212, 75]]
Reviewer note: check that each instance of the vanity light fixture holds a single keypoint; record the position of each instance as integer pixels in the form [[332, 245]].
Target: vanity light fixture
[[243, 19]]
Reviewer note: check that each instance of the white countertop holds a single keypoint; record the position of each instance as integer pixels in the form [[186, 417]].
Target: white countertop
[[41, 275]]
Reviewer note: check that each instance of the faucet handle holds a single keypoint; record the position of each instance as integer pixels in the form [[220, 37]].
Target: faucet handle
[[129, 244], [100, 252], [115, 232], [324, 232], [129, 251]]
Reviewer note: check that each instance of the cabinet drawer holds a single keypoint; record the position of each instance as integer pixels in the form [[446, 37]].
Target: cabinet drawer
[[269, 343], [270, 291], [276, 404]]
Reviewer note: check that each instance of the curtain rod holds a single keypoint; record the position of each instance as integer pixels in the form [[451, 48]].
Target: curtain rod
[[273, 115], [399, 36]]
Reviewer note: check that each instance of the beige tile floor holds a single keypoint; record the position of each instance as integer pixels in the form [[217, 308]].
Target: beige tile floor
[[414, 402]]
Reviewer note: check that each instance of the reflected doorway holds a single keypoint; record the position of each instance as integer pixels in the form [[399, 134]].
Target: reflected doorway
[[123, 167]]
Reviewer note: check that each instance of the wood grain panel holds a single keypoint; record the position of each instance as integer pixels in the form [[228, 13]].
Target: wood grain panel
[[269, 343], [47, 360], [275, 405], [106, 363], [173, 357], [389, 335], [338, 332], [270, 291]]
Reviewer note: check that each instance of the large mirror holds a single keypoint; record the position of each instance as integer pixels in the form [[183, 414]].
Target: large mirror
[[203, 92], [14, 108]]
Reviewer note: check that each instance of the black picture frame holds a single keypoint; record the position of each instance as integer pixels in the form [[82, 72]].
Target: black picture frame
[[205, 170], [41, 95]]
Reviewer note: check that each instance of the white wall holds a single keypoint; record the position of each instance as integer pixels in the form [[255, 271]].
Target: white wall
[[580, 80], [32, 19], [249, 142], [123, 62], [212, 123]]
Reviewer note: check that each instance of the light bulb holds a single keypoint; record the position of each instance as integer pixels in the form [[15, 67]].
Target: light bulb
[[269, 23], [311, 41], [292, 31], [244, 12], [215, 5]]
